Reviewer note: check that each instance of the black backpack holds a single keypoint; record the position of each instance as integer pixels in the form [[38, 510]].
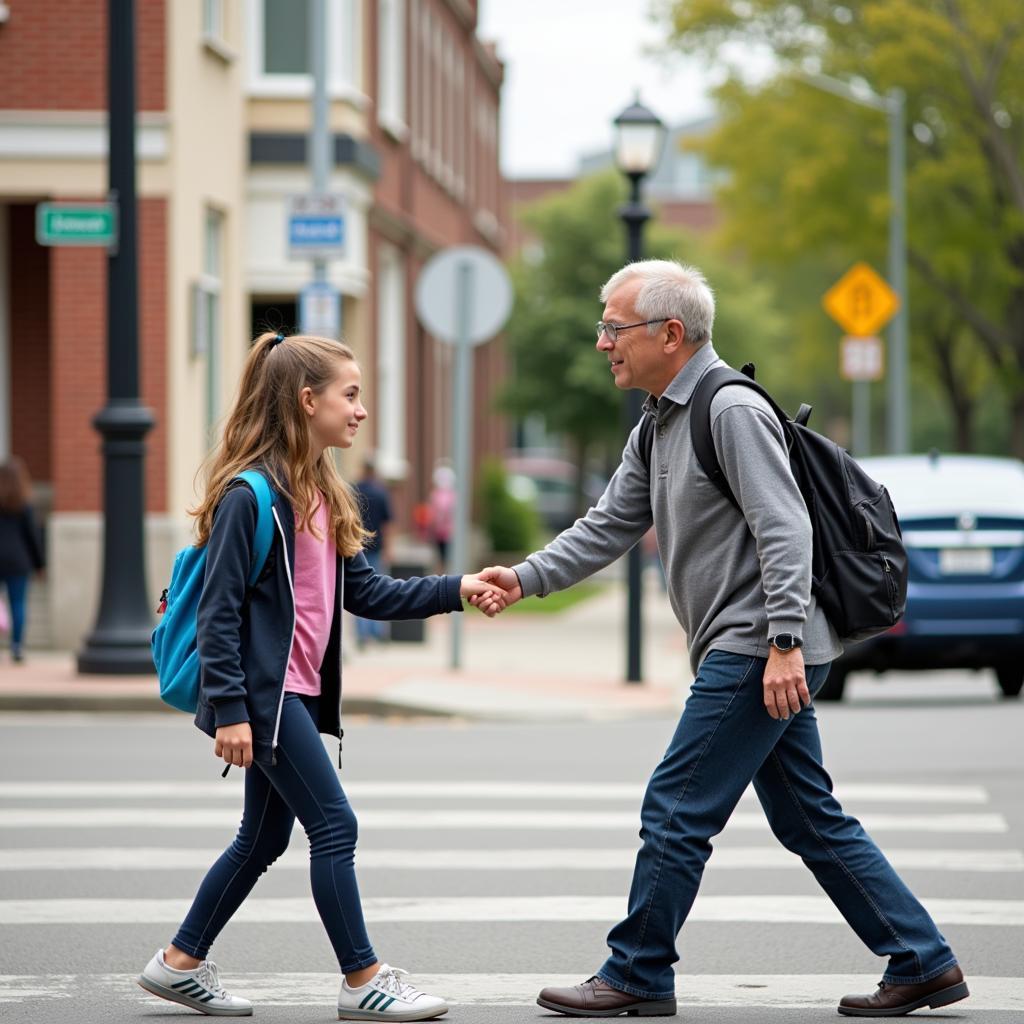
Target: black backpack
[[858, 561]]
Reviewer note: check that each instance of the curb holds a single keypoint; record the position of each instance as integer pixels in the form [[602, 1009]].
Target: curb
[[371, 707], [132, 703]]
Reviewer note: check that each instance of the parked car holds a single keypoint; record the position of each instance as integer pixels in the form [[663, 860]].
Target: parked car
[[551, 484], [962, 518]]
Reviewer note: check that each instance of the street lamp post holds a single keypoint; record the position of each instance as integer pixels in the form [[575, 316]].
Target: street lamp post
[[893, 105], [119, 642], [639, 135]]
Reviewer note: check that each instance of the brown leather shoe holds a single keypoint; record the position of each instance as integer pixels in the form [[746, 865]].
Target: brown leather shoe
[[896, 1000], [595, 998]]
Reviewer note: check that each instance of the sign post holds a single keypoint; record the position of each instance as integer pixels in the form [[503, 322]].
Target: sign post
[[861, 302], [463, 297], [320, 310]]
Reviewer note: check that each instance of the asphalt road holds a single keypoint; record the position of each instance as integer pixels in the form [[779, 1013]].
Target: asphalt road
[[492, 860]]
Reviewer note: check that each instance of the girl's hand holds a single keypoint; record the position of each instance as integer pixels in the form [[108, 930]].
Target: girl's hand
[[234, 744], [488, 597]]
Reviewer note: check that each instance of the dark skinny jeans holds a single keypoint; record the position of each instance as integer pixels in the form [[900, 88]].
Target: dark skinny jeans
[[304, 785]]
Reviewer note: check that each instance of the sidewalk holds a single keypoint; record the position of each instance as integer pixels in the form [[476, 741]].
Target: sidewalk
[[563, 666]]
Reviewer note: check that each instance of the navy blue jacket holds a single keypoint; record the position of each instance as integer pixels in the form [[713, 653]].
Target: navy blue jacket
[[245, 638]]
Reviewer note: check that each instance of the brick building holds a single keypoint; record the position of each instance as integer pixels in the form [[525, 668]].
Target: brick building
[[222, 92]]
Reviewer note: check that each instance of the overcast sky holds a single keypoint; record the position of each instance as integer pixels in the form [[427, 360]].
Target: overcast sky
[[570, 67]]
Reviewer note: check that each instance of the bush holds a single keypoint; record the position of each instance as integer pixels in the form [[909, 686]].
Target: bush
[[510, 523]]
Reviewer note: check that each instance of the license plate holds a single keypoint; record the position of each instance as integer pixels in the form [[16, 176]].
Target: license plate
[[965, 561]]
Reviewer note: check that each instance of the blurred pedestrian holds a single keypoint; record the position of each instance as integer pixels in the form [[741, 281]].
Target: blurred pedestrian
[[270, 659], [21, 551], [375, 508], [441, 508]]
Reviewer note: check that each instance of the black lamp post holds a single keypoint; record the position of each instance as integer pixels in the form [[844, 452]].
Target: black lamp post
[[639, 135], [119, 642]]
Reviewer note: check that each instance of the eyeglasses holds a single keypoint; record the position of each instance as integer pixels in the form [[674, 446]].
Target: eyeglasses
[[612, 330]]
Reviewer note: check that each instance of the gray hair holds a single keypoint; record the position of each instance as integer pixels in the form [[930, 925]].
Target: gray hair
[[670, 291]]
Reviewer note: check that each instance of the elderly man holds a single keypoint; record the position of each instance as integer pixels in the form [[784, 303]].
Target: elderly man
[[740, 585]]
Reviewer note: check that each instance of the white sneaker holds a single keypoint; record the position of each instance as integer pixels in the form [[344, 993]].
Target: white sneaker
[[199, 989], [387, 997]]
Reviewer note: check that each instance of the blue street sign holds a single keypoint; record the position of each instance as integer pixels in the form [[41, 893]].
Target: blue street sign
[[316, 232]]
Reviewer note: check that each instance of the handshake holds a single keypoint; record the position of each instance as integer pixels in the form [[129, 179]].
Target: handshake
[[491, 590]]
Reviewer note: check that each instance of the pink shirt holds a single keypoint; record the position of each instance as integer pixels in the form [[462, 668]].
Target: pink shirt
[[314, 574]]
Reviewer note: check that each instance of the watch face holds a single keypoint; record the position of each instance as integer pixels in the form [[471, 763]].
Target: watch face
[[784, 641]]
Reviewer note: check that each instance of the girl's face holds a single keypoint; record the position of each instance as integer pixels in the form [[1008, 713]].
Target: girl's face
[[335, 414]]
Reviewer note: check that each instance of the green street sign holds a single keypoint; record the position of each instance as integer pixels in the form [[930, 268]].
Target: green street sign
[[76, 224]]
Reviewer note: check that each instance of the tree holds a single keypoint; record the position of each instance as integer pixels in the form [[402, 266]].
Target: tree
[[807, 170], [555, 369]]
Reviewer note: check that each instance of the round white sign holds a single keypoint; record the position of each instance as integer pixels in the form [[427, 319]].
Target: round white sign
[[488, 298]]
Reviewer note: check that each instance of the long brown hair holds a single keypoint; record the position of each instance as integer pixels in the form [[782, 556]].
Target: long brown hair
[[267, 429], [15, 485]]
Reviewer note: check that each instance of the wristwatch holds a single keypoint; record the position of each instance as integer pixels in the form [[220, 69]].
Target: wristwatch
[[785, 641]]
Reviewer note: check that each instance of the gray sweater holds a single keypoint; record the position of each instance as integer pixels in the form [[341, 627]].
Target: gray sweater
[[733, 580]]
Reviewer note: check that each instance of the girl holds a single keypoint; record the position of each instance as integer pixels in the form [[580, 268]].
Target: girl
[[271, 665], [20, 550]]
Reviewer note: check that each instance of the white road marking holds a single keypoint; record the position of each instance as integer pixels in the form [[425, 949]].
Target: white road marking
[[769, 991], [410, 819], [164, 858], [868, 792], [440, 909]]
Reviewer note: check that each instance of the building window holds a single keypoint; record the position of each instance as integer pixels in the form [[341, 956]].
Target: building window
[[206, 329], [285, 37], [437, 92], [213, 19], [391, 361], [279, 44], [391, 66]]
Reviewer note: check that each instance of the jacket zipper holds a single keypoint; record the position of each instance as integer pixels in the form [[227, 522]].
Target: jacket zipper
[[291, 642], [341, 622]]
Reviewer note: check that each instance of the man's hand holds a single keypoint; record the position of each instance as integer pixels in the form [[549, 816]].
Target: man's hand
[[234, 744], [506, 579], [483, 594], [785, 688]]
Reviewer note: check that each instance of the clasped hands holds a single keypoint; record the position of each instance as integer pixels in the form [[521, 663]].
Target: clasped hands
[[492, 589]]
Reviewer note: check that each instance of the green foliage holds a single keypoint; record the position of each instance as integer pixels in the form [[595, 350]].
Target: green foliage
[[555, 368], [511, 524], [559, 601], [806, 193]]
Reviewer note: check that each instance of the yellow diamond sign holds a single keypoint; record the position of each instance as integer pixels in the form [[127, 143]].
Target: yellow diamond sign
[[861, 302]]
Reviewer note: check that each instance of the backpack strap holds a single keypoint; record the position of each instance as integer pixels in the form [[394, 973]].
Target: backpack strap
[[264, 536], [646, 440], [700, 420]]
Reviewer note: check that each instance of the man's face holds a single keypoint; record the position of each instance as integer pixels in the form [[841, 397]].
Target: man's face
[[635, 357]]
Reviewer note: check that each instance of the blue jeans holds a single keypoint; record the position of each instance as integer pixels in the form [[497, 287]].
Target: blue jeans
[[304, 785], [724, 740], [17, 594], [372, 629]]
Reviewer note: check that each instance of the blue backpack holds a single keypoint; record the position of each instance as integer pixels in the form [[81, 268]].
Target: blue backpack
[[175, 650]]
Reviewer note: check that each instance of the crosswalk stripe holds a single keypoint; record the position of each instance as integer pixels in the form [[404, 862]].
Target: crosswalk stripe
[[418, 819], [163, 858], [765, 991], [870, 792], [438, 909]]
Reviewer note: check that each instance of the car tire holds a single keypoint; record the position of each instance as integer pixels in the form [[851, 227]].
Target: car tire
[[833, 687], [1011, 679]]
